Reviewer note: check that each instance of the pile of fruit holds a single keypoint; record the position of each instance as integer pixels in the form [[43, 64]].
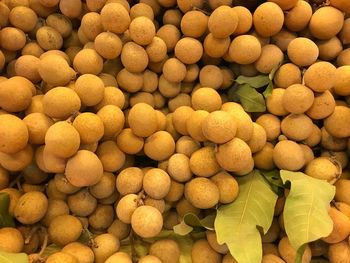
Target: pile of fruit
[[174, 131]]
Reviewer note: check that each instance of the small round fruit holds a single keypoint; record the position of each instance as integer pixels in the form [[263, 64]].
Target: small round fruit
[[142, 119], [202, 193], [222, 22], [126, 207], [288, 155], [83, 253], [189, 50], [321, 76], [11, 240], [297, 127], [341, 85], [31, 207], [147, 221], [129, 181], [89, 126], [156, 183], [268, 19], [14, 134], [341, 226], [159, 146], [84, 169], [142, 30], [219, 127], [202, 252], [227, 185], [206, 99], [90, 89], [65, 229], [167, 250], [334, 124], [203, 162], [105, 246], [115, 18], [323, 168], [245, 49], [121, 257], [288, 253], [61, 257]]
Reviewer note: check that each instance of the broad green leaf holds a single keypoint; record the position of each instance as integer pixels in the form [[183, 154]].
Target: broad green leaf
[[305, 212], [236, 224], [191, 221], [231, 93], [275, 181], [268, 91], [255, 82], [6, 257], [5, 219], [251, 100]]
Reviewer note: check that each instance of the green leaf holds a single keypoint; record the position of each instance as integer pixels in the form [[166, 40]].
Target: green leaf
[[274, 70], [255, 82], [6, 257], [274, 179], [191, 221], [305, 212], [268, 91], [5, 219], [251, 100], [237, 223]]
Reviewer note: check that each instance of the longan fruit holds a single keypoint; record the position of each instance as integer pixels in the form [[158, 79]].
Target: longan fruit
[[130, 82], [61, 257], [106, 245], [14, 134], [4, 14], [271, 56], [156, 183], [55, 208], [105, 187], [126, 207], [31, 207], [344, 33], [184, 207], [339, 252], [323, 168], [202, 252], [343, 58], [329, 49], [175, 193], [156, 50], [88, 61], [330, 142], [64, 229], [341, 157], [61, 23], [245, 20], [222, 22], [268, 19], [181, 99], [211, 76], [212, 240], [11, 240], [37, 124], [121, 257], [314, 138], [188, 50], [341, 84], [186, 145], [119, 229], [102, 217], [23, 18], [157, 203], [142, 30], [27, 66], [134, 57], [159, 146], [16, 85], [258, 140], [150, 81], [141, 10], [17, 161], [113, 120], [322, 30], [108, 45], [297, 99], [227, 185], [49, 38], [142, 120], [300, 46], [150, 259], [167, 250], [321, 76], [296, 127], [111, 157], [90, 89], [12, 38], [174, 70], [146, 221], [61, 102], [82, 203], [194, 24], [234, 155], [179, 119], [219, 127], [194, 125], [55, 71], [129, 142], [297, 18], [274, 102], [206, 99], [89, 126], [179, 167], [288, 155], [245, 49], [108, 80], [129, 181], [229, 259], [271, 124], [283, 38], [334, 123], [287, 75], [203, 162], [216, 47], [322, 107], [84, 169], [288, 253], [91, 25], [71, 9], [341, 226], [62, 139], [80, 251]]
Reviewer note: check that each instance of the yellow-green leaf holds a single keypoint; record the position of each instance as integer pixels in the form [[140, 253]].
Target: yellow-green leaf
[[6, 257], [305, 212], [236, 224], [191, 221], [255, 82], [251, 100]]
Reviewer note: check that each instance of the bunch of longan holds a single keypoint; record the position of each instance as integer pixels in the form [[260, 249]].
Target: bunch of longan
[[116, 121]]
